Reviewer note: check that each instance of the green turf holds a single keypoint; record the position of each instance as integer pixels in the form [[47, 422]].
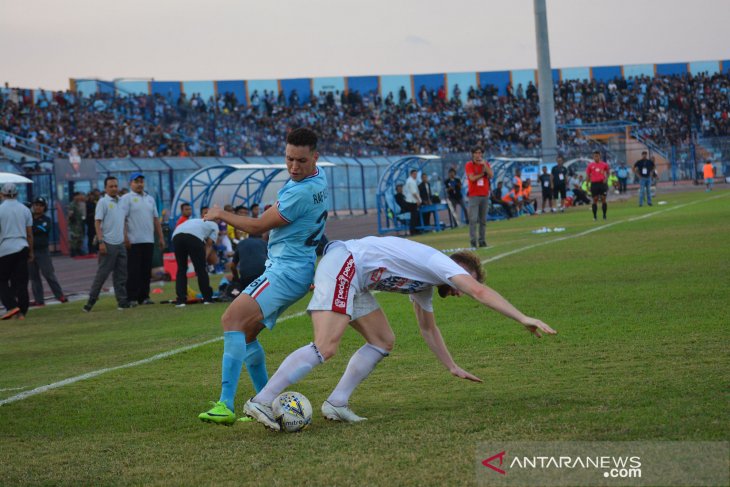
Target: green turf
[[642, 353]]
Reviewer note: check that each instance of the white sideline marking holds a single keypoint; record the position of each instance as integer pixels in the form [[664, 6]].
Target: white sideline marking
[[95, 373], [13, 389], [595, 229], [71, 380]]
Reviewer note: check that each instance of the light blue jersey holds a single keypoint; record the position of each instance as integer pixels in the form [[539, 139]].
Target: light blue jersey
[[304, 205], [290, 268]]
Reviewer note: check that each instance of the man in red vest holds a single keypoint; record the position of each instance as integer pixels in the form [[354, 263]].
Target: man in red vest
[[479, 173]]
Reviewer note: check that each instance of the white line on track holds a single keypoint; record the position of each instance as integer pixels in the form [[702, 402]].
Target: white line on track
[[95, 373]]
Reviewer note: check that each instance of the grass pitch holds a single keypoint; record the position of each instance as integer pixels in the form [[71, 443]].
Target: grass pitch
[[640, 305]]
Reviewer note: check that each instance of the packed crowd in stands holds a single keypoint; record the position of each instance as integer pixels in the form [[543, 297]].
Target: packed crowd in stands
[[108, 126]]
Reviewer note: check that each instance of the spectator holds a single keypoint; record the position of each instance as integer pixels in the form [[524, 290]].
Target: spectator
[[249, 261], [405, 206], [643, 169], [623, 176], [142, 222], [559, 180], [708, 171], [76, 223], [16, 250], [109, 222], [546, 184], [424, 192], [413, 198], [186, 211], [495, 197], [193, 239], [530, 203], [91, 200], [479, 173], [42, 263], [455, 194], [580, 196]]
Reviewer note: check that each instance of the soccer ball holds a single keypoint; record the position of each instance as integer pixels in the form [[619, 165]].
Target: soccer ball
[[292, 411]]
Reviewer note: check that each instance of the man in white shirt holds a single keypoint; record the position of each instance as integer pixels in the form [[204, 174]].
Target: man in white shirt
[[16, 250], [109, 225], [343, 281], [142, 221], [413, 198], [193, 238]]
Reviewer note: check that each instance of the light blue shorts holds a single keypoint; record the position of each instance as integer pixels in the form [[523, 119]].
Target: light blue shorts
[[277, 289]]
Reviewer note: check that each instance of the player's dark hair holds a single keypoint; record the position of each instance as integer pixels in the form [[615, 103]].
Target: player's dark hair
[[203, 208], [471, 261], [302, 137], [477, 149], [255, 205], [109, 178], [183, 205]]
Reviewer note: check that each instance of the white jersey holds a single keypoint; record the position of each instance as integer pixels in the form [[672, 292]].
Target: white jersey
[[394, 264]]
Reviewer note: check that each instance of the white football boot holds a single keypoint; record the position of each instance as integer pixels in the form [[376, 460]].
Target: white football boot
[[340, 413], [261, 413]]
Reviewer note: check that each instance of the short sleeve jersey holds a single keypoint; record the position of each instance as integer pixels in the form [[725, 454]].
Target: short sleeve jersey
[[112, 217], [597, 172], [397, 265], [480, 187], [644, 167], [140, 211], [560, 175], [303, 204], [199, 228], [544, 180]]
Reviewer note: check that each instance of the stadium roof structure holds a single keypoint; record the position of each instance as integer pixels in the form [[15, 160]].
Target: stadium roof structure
[[235, 184]]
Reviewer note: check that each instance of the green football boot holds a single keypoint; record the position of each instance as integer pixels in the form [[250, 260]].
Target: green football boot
[[218, 414]]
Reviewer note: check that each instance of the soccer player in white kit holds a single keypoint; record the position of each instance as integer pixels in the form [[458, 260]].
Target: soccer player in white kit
[[343, 281]]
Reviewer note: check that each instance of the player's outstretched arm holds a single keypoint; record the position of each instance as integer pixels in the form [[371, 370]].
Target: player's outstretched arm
[[268, 221], [432, 335], [489, 297]]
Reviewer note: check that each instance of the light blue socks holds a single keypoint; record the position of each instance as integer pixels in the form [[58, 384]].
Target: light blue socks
[[256, 365], [234, 352]]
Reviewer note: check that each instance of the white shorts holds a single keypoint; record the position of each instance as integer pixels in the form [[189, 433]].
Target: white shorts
[[335, 286]]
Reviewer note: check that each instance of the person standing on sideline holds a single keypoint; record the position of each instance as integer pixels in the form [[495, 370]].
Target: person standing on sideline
[[76, 222], [345, 277], [708, 172], [16, 250], [479, 173], [644, 169], [296, 223], [142, 221], [109, 223], [456, 196], [424, 192], [597, 172], [193, 238], [42, 263], [546, 183], [623, 176], [560, 180], [413, 198]]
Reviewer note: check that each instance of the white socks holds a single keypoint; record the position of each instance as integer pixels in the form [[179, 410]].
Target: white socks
[[293, 369], [361, 365]]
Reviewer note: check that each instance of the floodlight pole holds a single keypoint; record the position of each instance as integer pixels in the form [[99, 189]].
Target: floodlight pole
[[545, 85]]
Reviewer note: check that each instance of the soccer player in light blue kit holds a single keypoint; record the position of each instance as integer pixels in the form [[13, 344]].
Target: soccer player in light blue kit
[[296, 223]]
